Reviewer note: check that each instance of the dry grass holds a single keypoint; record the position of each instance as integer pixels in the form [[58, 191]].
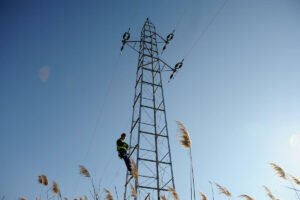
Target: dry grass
[[108, 195], [173, 193], [280, 172], [132, 191], [223, 190], [296, 180], [134, 170], [163, 197], [185, 139], [247, 197], [203, 196], [269, 193], [43, 180], [83, 171], [22, 198], [55, 188]]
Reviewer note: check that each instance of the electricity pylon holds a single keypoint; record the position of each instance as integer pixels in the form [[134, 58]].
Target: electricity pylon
[[149, 139]]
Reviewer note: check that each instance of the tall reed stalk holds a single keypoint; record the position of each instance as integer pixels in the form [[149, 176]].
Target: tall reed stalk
[[223, 190], [186, 142], [290, 178], [85, 173]]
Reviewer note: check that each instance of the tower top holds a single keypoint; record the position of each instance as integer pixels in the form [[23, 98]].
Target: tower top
[[163, 42]]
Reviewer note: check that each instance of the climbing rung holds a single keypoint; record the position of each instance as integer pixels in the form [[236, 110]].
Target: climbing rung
[[152, 108], [149, 160], [149, 133], [152, 188]]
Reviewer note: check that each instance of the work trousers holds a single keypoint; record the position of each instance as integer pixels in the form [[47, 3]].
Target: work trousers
[[126, 159]]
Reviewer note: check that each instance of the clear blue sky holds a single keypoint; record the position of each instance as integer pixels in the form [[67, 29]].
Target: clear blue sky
[[66, 93]]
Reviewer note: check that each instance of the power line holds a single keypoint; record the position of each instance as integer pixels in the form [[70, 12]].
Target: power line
[[206, 28], [100, 114]]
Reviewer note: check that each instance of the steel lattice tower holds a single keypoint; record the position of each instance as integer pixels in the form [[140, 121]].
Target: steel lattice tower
[[149, 139]]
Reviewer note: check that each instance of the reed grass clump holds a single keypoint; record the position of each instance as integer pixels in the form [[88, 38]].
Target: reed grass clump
[[132, 191], [186, 142], [43, 180], [296, 180], [109, 195], [269, 193], [173, 193], [246, 197], [55, 188], [84, 172], [280, 172], [185, 139], [203, 196], [134, 170], [292, 179], [223, 190]]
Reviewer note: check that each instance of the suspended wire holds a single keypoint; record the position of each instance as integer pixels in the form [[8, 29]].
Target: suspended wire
[[133, 14], [115, 176], [111, 81], [179, 20], [100, 114], [206, 28]]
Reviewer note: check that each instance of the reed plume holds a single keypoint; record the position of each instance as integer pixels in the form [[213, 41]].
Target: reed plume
[[84, 172], [203, 196], [296, 180], [186, 142], [163, 197], [134, 170], [247, 197], [132, 190], [108, 195], [269, 193], [55, 188], [280, 172], [173, 193], [43, 180], [185, 136], [223, 190]]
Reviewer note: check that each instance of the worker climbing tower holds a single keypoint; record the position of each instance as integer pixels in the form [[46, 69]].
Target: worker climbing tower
[[149, 139]]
